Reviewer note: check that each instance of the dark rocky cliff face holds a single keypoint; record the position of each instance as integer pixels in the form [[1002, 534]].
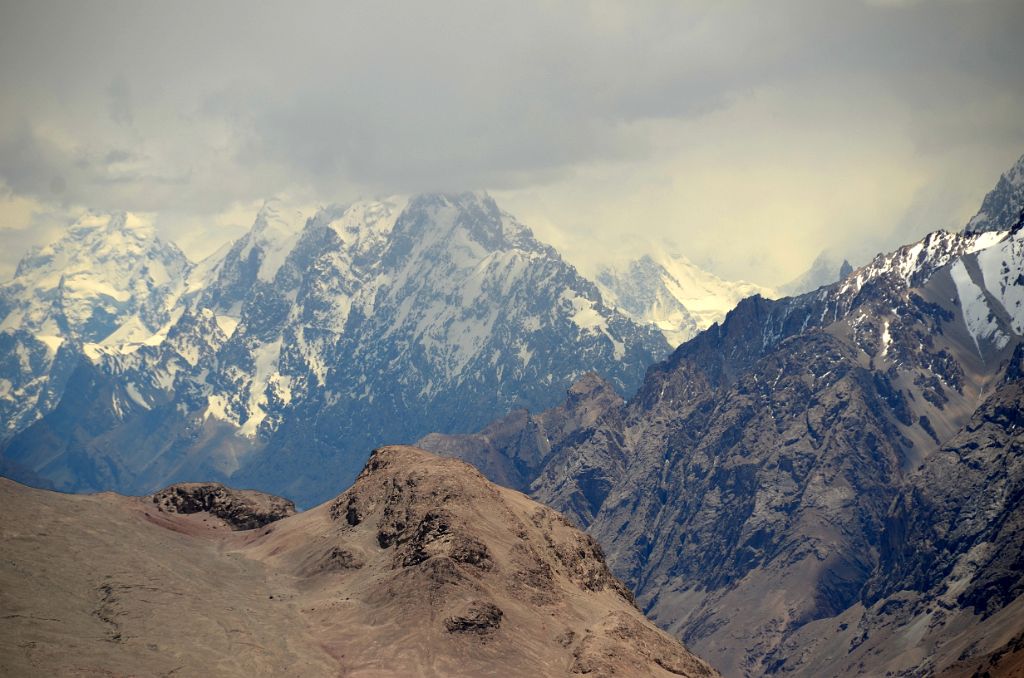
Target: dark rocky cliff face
[[962, 507], [840, 465], [241, 509], [513, 450]]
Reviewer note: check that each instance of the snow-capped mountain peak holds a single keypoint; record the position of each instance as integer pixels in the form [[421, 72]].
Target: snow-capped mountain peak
[[705, 294], [672, 293], [375, 321], [273, 235], [110, 223], [363, 225], [107, 281], [913, 264], [107, 271], [222, 281]]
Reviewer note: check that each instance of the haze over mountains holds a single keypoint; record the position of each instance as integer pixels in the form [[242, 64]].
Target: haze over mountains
[[671, 293], [681, 299], [826, 269]]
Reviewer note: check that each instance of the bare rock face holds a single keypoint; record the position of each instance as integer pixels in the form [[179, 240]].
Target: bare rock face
[[241, 509], [826, 484], [481, 617], [422, 567], [512, 451]]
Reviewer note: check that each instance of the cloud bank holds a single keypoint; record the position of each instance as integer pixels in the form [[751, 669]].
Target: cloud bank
[[749, 135]]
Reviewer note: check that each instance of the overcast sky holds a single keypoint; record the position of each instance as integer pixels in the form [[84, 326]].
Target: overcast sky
[[748, 136]]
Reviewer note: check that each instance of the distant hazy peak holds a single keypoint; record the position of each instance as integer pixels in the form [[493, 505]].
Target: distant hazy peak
[[1003, 207], [97, 234], [827, 268], [105, 270], [473, 213], [111, 222], [672, 293]]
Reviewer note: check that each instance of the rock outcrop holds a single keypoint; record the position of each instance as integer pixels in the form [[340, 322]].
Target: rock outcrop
[[241, 509], [513, 450]]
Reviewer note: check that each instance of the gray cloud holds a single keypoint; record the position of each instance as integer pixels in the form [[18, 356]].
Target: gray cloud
[[119, 100], [190, 109]]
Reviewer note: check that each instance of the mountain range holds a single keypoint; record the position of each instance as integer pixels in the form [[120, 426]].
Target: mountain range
[[827, 484], [671, 293], [822, 484], [282, 361]]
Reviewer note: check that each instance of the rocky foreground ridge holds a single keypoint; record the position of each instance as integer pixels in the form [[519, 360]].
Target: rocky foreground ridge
[[422, 567]]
